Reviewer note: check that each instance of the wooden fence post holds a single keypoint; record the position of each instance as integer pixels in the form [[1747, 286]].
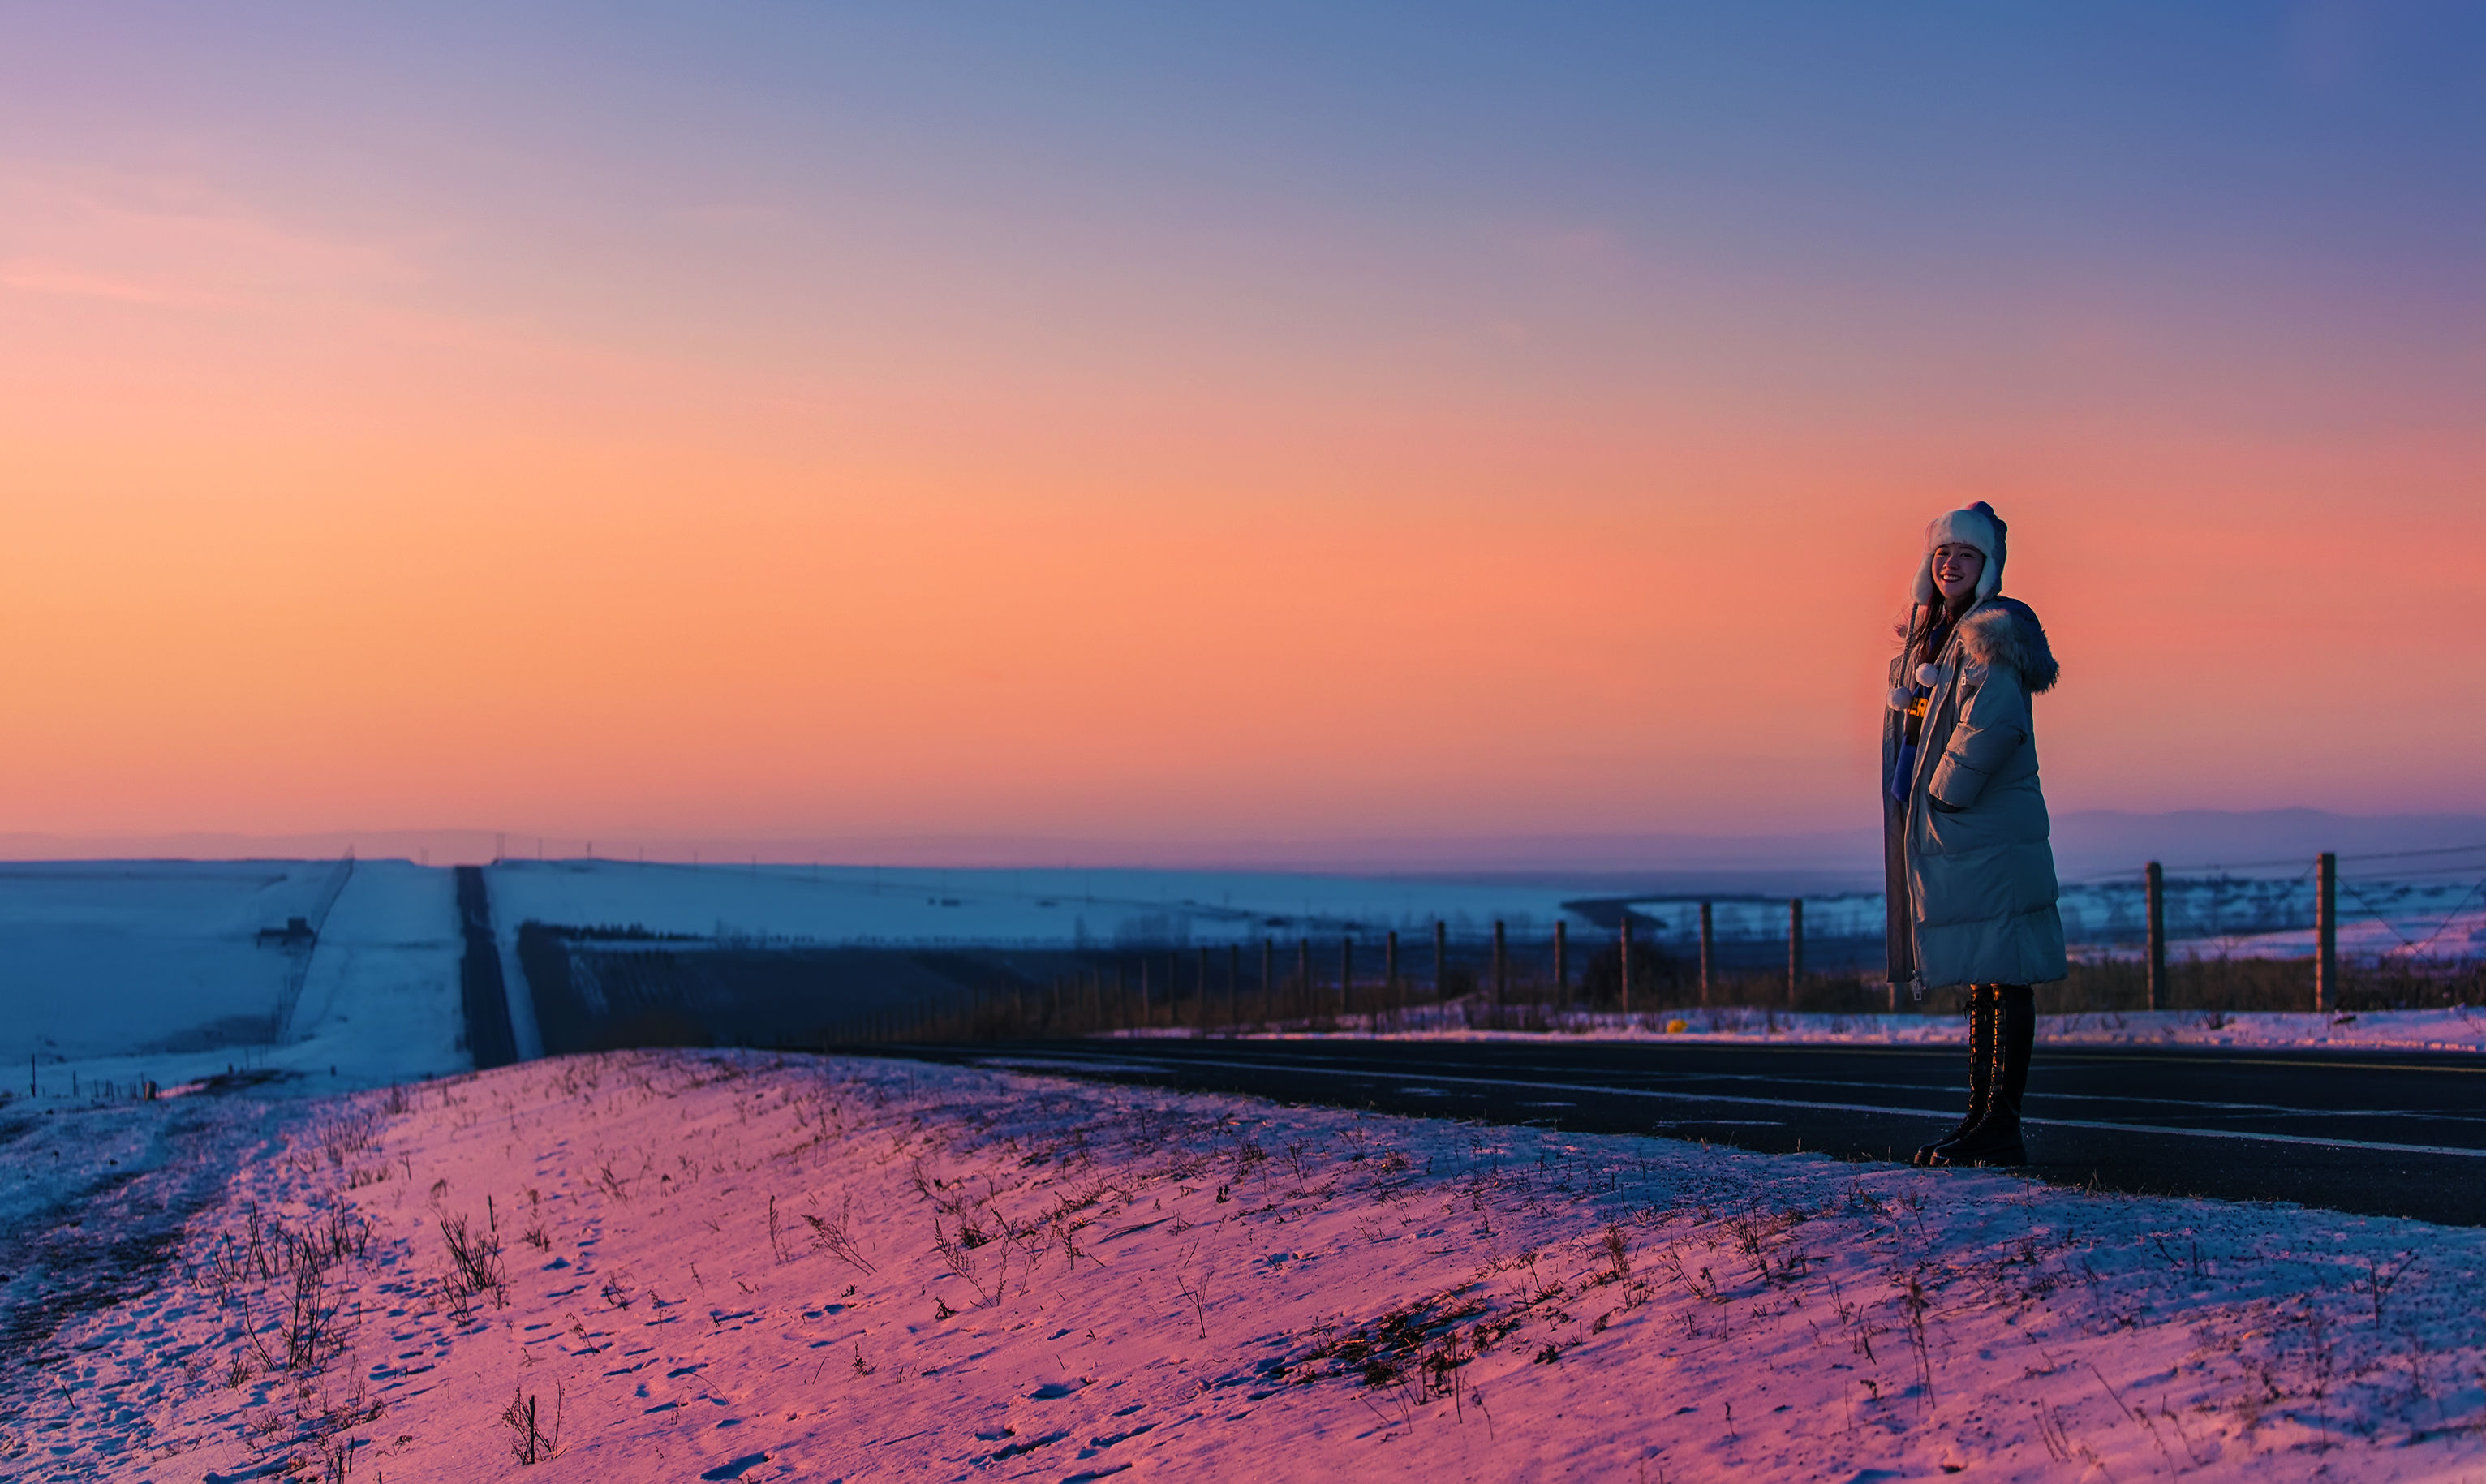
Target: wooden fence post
[[1708, 946], [1440, 957], [1501, 968], [2326, 934], [2154, 887], [1268, 971], [1303, 973], [1389, 967], [1795, 947], [1200, 1019], [1346, 974], [1561, 968], [1623, 951]]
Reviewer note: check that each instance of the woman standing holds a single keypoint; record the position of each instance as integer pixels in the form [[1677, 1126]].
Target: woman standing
[[1971, 878]]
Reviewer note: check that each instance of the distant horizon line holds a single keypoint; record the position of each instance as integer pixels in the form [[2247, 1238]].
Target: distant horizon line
[[2090, 836]]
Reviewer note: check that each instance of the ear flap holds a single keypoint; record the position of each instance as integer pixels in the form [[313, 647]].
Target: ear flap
[[1976, 526]]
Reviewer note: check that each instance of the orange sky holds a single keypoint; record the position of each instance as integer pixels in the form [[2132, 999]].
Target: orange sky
[[844, 516]]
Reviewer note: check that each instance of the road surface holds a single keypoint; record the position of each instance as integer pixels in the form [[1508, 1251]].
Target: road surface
[[2379, 1133]]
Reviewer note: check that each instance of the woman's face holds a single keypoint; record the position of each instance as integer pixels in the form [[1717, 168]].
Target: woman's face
[[1956, 570]]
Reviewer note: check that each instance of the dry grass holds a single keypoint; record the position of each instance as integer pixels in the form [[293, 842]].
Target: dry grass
[[532, 1439], [1662, 989]]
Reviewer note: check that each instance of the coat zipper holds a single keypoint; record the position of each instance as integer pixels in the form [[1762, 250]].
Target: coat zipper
[[1917, 783]]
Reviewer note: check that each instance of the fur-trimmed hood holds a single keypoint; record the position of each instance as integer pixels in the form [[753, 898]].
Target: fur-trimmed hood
[[2005, 631]]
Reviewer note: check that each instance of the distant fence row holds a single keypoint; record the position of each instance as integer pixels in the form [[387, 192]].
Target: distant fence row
[[597, 988]]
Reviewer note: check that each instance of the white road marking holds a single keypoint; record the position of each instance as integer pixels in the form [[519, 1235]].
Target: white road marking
[[1864, 1108]]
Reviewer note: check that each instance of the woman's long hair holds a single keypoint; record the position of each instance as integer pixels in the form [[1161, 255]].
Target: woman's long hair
[[1925, 623]]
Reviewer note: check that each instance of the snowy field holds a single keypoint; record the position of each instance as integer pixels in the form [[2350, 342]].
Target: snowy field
[[117, 973], [691, 1266], [123, 972], [2208, 917], [184, 931], [2460, 1027], [847, 904]]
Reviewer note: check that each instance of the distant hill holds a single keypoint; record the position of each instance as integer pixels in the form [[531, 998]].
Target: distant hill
[[2088, 842]]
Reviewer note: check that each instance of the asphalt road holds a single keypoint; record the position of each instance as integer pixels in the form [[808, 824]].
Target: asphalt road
[[2385, 1134], [483, 997]]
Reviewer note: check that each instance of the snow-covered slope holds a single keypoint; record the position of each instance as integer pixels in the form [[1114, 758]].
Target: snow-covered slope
[[687, 1266], [127, 972], [92, 952]]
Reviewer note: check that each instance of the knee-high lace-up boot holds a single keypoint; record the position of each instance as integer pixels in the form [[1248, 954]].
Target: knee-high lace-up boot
[[1996, 1140], [1980, 1069]]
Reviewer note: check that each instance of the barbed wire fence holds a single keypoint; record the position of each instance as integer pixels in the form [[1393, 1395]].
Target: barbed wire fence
[[2342, 934], [2406, 930]]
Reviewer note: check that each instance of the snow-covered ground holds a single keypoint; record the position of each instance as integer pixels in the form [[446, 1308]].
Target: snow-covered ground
[[2207, 916], [175, 941], [688, 1266], [848, 904], [119, 973], [2459, 1027]]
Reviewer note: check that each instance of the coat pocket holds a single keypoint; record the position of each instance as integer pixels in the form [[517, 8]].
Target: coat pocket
[[1961, 832]]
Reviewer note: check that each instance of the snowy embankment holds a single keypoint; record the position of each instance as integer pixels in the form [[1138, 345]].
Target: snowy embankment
[[2458, 1028], [678, 1266]]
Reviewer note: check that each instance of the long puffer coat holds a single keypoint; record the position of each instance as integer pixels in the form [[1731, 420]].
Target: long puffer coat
[[1971, 884]]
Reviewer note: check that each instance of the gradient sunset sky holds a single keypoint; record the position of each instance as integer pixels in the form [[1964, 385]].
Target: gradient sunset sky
[[1193, 422]]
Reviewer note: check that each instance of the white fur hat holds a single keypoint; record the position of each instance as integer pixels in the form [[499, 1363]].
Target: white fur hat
[[1976, 526]]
